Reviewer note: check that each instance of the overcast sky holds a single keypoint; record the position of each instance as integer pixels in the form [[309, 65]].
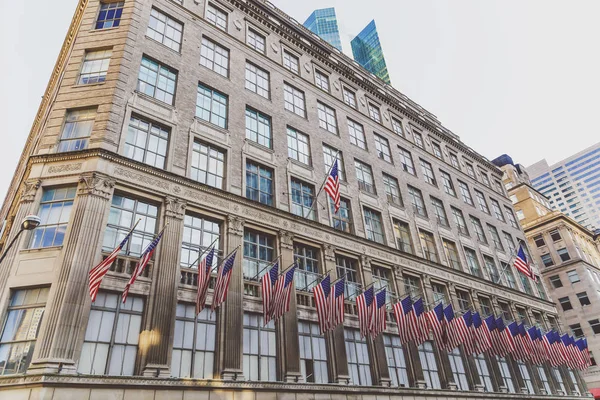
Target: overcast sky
[[518, 77]]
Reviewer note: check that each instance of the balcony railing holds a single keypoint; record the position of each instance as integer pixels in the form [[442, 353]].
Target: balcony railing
[[126, 265]]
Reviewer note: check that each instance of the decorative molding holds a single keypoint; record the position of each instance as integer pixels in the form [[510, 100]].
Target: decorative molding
[[235, 225], [96, 184], [286, 240], [30, 188], [174, 207], [329, 251], [58, 169]]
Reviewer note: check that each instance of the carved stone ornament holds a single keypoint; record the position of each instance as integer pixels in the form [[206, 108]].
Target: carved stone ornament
[[286, 239], [329, 252], [30, 188], [365, 262], [175, 208], [235, 225], [96, 184]]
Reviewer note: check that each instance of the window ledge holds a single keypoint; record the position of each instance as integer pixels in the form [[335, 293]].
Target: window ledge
[[164, 45], [301, 164], [39, 249], [259, 146], [112, 28], [80, 85], [155, 101], [373, 195], [210, 125]]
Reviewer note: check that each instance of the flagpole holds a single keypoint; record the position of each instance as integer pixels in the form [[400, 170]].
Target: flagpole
[[319, 276], [204, 251], [224, 258], [335, 159], [503, 272], [270, 265], [286, 269]]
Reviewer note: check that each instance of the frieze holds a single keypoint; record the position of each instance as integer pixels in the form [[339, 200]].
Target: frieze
[[206, 199], [175, 208], [139, 178], [58, 169]]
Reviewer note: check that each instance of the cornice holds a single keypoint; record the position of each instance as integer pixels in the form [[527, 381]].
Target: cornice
[[553, 217]]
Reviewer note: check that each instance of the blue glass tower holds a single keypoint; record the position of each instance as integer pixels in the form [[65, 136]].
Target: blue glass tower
[[367, 51], [323, 22]]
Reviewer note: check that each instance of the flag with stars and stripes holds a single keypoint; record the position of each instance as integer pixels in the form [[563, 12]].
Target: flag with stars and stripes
[[483, 340], [422, 330], [268, 282], [204, 269], [144, 259], [321, 293], [332, 185], [223, 279], [522, 264], [437, 323], [378, 316], [364, 302], [283, 293], [336, 307]]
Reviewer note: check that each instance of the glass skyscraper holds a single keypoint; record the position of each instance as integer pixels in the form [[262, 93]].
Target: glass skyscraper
[[323, 22], [367, 51]]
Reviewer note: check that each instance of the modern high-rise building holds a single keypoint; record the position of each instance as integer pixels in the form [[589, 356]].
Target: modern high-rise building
[[216, 122], [367, 51], [323, 22], [572, 185]]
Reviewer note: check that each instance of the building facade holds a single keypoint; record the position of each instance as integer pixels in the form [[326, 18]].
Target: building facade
[[323, 22], [572, 185], [216, 122], [367, 51], [568, 256]]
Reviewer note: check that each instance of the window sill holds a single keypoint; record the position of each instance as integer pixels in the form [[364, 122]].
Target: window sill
[[87, 85], [260, 95], [301, 164], [259, 146], [373, 195], [178, 52], [154, 100], [112, 28], [39, 249], [210, 125]]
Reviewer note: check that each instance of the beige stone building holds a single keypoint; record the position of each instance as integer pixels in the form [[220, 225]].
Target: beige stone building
[[217, 121], [568, 256]]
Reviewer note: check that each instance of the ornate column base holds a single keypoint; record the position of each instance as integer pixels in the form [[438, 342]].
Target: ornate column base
[[343, 379], [421, 385], [157, 371], [452, 386], [52, 366], [524, 390], [503, 389], [233, 375], [479, 388], [385, 382], [293, 377]]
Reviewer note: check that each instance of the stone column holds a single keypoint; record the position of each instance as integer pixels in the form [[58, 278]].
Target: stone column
[[494, 368], [287, 326], [412, 363], [231, 313], [62, 329], [163, 295], [551, 379], [567, 380], [519, 383]]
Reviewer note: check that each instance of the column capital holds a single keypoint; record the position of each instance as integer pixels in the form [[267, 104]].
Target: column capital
[[174, 207], [286, 240], [329, 252], [365, 262], [96, 184], [397, 272], [30, 188], [235, 225]]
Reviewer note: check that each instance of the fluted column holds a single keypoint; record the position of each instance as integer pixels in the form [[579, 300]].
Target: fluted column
[[231, 313], [163, 295], [61, 332]]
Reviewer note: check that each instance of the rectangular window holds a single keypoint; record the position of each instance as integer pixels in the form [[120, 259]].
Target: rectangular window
[[77, 130], [303, 196], [307, 273], [490, 264], [23, 319], [198, 233], [428, 246], [349, 97], [291, 62], [486, 306], [257, 80], [294, 100], [412, 286], [216, 16], [478, 229], [357, 134], [109, 15], [373, 225], [573, 276], [547, 260], [556, 282], [481, 201], [364, 176], [342, 220], [510, 278], [95, 66], [505, 374], [403, 237], [347, 267], [459, 220], [437, 150], [256, 41], [359, 365], [465, 193], [565, 303], [327, 118], [484, 178], [392, 189], [495, 237], [329, 154], [193, 343], [483, 372], [544, 379], [374, 113], [539, 240], [451, 254], [259, 349], [258, 128], [396, 362], [407, 162], [418, 139], [447, 182], [55, 209], [454, 161], [458, 369], [511, 218], [382, 278], [397, 127], [165, 30], [577, 331], [564, 254], [157, 80], [112, 335], [464, 300], [555, 235], [214, 57], [595, 325], [208, 165], [259, 183], [497, 210], [473, 262], [313, 353], [520, 215], [470, 170], [584, 300], [427, 172], [146, 142], [416, 200], [298, 147], [322, 81], [429, 365], [509, 241], [258, 253], [211, 106], [382, 146], [440, 212], [439, 294], [526, 377]]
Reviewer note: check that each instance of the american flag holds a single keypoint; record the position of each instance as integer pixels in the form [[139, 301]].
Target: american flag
[[504, 336], [97, 273], [558, 348], [321, 293], [483, 341], [527, 344], [540, 345], [144, 259], [496, 348], [268, 281], [283, 293], [456, 331], [407, 326], [437, 323], [469, 342], [520, 350], [522, 264], [577, 354], [364, 301], [204, 269], [553, 356], [532, 337], [586, 360], [336, 308], [378, 316], [332, 185], [422, 331], [222, 283]]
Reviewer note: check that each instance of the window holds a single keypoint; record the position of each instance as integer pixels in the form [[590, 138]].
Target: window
[[486, 306], [490, 264], [214, 57], [291, 62], [347, 267], [595, 325], [357, 134], [520, 215], [211, 106], [165, 30], [439, 294], [395, 360], [198, 233], [303, 196], [256, 41], [539, 241], [77, 130], [440, 212], [23, 319], [511, 218], [412, 286], [294, 100], [374, 113], [565, 303], [481, 201], [342, 220], [298, 148], [458, 369], [54, 211], [208, 165], [428, 246], [522, 315], [257, 80], [505, 374], [451, 254], [109, 15], [397, 127], [392, 189], [584, 300], [359, 365], [146, 142], [258, 128], [544, 379], [403, 237], [418, 139], [260, 350], [559, 381], [478, 229], [429, 365], [484, 178], [416, 200], [470, 170], [454, 161], [447, 182], [407, 162], [216, 16], [573, 276], [437, 150], [157, 80], [459, 220], [382, 278], [95, 67], [526, 284], [382, 146], [556, 282], [564, 254], [555, 235], [349, 97], [483, 372], [322, 81], [259, 183], [327, 118], [193, 343], [108, 349], [526, 377], [427, 172], [497, 210], [329, 154], [464, 300], [464, 191], [364, 175], [510, 278], [307, 273], [473, 263], [313, 353], [258, 253], [495, 237], [576, 329], [373, 225], [547, 260]]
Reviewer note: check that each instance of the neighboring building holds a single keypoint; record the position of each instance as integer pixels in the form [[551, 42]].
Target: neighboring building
[[568, 256], [201, 118], [367, 51], [323, 22], [572, 185]]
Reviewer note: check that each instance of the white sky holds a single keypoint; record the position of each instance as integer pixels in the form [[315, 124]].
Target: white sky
[[508, 76]]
